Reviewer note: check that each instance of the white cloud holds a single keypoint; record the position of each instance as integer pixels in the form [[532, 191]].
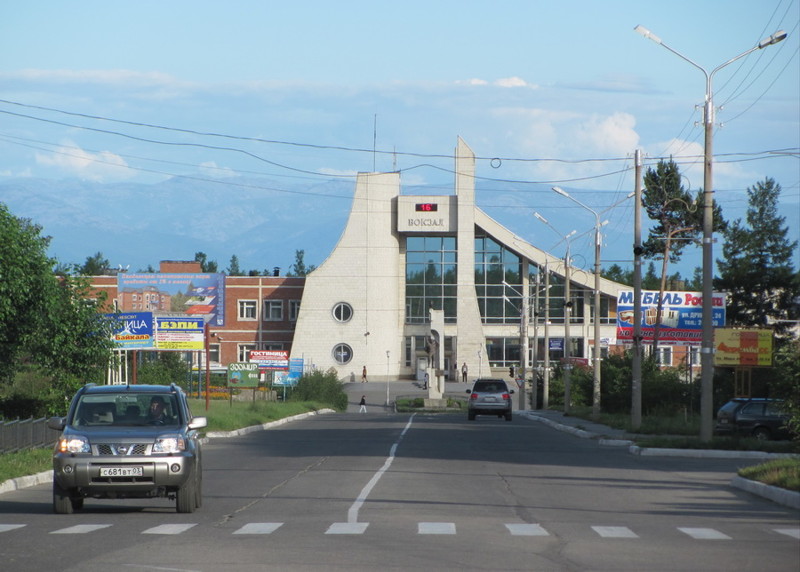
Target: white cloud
[[211, 169], [103, 166], [511, 82]]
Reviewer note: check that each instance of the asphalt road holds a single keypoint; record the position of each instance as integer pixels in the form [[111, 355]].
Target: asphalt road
[[379, 490]]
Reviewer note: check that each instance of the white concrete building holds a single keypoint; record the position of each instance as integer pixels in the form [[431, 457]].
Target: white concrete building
[[368, 304]]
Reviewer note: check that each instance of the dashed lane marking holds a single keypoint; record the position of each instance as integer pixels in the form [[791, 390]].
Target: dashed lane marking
[[436, 528], [704, 533], [527, 530], [169, 529], [615, 532], [259, 528], [80, 529]]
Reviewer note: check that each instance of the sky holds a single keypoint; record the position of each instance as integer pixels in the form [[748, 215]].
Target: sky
[[545, 93]]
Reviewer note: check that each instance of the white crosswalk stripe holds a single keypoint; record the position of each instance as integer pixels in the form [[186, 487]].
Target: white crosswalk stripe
[[168, 529], [80, 529], [347, 528], [704, 533], [793, 532], [436, 528], [7, 527], [527, 530], [614, 532], [259, 528]]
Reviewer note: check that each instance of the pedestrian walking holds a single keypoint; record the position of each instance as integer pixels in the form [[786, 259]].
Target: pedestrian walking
[[464, 372], [363, 404], [426, 381], [364, 375]]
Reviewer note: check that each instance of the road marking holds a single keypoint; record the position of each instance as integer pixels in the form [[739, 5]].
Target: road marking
[[704, 533], [169, 529], [352, 513], [436, 528], [793, 532], [259, 528], [7, 527], [527, 530], [614, 532], [80, 529], [347, 528]]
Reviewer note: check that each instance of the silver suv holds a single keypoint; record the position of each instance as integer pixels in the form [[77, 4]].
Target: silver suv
[[127, 441], [489, 397]]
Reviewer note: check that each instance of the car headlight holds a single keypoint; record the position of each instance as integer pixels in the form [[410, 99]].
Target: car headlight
[[169, 444], [73, 444]]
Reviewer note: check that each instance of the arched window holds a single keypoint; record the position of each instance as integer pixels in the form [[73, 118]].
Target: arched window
[[342, 312], [342, 353]]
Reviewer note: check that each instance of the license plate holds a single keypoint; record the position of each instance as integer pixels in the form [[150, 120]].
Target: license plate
[[121, 471], [490, 398]]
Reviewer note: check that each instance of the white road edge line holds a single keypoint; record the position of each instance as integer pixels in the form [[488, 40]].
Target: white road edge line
[[352, 513]]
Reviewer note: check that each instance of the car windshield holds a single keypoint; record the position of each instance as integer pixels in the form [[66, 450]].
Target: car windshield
[[489, 387], [126, 409]]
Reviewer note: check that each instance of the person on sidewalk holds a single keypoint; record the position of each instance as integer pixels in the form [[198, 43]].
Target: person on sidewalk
[[364, 375], [363, 404], [464, 372]]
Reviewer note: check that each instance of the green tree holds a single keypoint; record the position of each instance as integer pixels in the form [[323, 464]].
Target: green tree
[[233, 267], [756, 269], [25, 279], [95, 265], [616, 273], [299, 268], [209, 266]]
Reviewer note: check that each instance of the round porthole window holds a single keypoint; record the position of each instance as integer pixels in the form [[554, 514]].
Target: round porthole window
[[342, 312], [342, 353]]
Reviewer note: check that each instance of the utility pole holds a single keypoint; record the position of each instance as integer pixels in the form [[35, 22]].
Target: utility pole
[[636, 367]]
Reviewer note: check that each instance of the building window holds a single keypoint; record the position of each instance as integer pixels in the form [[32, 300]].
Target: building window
[[431, 277], [244, 351], [273, 310], [342, 312], [665, 355], [247, 309], [495, 264], [294, 310], [342, 354], [214, 353], [273, 347]]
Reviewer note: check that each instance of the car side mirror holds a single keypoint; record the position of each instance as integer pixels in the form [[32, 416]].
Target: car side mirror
[[511, 391], [57, 423], [469, 391], [198, 423]]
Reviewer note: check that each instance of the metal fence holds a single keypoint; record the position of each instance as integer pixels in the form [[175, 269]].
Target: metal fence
[[21, 434]]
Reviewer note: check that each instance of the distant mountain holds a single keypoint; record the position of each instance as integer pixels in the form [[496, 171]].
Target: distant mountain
[[260, 221]]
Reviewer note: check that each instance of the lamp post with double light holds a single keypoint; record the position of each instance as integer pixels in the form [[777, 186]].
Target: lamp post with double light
[[597, 243], [707, 343], [567, 313]]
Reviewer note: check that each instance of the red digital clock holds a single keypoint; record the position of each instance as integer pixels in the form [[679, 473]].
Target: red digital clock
[[426, 207]]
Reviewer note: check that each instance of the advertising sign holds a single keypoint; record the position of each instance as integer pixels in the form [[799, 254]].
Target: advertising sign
[[270, 359], [681, 316], [180, 333], [135, 330], [243, 375], [742, 347], [201, 295]]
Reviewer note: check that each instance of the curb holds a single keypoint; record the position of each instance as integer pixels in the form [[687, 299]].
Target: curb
[[47, 476], [775, 494]]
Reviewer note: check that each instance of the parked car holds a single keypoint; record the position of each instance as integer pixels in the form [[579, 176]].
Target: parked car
[[127, 441], [756, 417], [489, 397]]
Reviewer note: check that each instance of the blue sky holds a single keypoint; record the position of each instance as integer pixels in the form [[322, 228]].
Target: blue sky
[[561, 92]]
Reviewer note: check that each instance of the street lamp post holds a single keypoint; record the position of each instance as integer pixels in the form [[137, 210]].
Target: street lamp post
[[523, 341], [707, 343], [567, 313], [597, 242]]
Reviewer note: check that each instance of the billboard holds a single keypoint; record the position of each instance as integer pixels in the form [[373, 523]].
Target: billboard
[[742, 347], [243, 375], [270, 359], [180, 333], [681, 316], [201, 295], [134, 330]]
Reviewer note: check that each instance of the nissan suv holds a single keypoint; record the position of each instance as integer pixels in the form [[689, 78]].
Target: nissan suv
[[755, 417], [127, 441], [489, 397]]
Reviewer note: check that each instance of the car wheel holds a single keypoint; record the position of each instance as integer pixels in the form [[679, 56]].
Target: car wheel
[[471, 416], [62, 503], [508, 416], [186, 499], [761, 433]]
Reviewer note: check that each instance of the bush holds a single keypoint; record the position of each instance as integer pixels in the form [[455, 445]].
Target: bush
[[322, 387]]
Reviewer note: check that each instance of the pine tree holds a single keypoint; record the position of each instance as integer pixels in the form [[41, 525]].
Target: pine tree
[[757, 270]]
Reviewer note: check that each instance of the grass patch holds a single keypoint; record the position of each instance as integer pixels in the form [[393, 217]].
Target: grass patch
[[783, 473], [22, 463], [651, 424], [719, 443]]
